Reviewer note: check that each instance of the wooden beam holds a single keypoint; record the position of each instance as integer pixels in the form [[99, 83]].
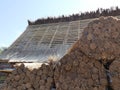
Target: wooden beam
[[6, 70], [4, 61]]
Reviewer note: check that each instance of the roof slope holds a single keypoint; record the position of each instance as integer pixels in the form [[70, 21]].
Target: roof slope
[[39, 42]]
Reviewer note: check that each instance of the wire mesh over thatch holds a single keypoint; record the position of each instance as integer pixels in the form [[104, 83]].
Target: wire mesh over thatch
[[92, 63]]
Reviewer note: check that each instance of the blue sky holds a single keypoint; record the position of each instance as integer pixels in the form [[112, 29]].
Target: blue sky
[[15, 13]]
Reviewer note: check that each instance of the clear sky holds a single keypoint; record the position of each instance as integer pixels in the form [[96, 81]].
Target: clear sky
[[15, 13]]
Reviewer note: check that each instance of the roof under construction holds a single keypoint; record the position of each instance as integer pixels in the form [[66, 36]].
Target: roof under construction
[[40, 42]]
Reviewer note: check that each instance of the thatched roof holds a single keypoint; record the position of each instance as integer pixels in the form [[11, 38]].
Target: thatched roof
[[42, 42]]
